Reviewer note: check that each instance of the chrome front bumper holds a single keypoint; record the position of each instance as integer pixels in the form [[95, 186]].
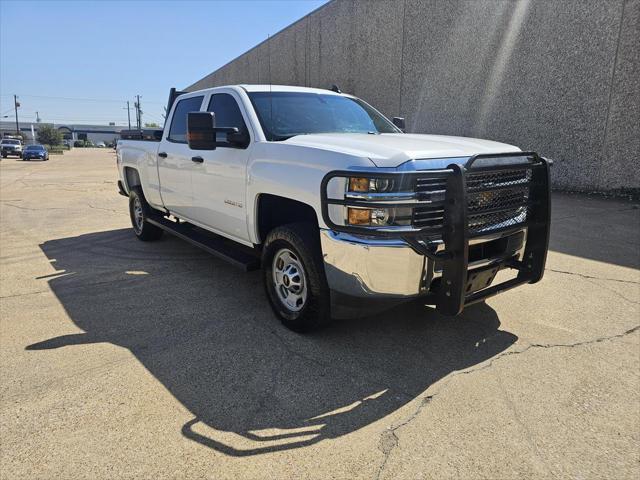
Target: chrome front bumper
[[367, 267], [371, 267]]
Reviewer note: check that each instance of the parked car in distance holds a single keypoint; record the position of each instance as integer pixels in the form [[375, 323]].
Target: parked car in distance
[[10, 146], [35, 151], [101, 145]]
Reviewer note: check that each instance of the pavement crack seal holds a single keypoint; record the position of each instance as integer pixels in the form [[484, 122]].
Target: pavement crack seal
[[389, 439], [591, 277], [112, 210], [32, 209], [24, 294]]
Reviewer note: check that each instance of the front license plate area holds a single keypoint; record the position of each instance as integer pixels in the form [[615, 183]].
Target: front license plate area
[[480, 278]]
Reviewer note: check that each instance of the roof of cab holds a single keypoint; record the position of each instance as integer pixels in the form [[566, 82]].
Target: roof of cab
[[285, 88], [273, 88]]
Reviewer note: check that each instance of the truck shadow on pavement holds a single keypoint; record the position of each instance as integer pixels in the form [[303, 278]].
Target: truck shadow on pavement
[[205, 331]]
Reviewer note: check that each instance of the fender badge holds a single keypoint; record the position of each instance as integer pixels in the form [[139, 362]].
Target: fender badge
[[235, 204]]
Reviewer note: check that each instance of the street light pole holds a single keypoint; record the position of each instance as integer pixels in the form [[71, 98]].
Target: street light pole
[[16, 105]]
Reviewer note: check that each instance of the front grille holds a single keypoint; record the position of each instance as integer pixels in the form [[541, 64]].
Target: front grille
[[496, 199]]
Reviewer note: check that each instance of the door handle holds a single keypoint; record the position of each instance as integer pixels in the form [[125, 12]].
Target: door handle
[[197, 159], [162, 154]]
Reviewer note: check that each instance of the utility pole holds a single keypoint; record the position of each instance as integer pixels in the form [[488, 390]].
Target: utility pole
[[128, 115], [139, 110], [16, 105]]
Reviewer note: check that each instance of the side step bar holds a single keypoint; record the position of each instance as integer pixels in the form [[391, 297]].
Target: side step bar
[[227, 250]]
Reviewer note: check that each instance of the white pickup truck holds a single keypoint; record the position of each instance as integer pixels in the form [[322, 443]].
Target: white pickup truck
[[343, 211]]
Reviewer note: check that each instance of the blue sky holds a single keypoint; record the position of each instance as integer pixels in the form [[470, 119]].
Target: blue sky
[[94, 56]]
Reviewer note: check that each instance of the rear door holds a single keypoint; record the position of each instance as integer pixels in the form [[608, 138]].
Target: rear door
[[219, 182], [175, 166]]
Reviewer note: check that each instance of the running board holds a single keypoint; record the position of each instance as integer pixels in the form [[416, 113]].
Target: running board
[[227, 250]]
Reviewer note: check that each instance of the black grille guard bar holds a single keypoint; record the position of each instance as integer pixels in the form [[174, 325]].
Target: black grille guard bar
[[451, 296]]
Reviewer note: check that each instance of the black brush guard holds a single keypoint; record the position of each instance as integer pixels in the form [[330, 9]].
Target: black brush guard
[[450, 296]]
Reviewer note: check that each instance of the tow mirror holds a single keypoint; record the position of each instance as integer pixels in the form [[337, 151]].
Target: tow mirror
[[201, 130], [399, 122]]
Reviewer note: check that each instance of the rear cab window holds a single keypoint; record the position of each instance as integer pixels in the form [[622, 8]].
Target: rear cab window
[[178, 129]]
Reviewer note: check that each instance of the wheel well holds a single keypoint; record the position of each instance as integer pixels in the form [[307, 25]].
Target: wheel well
[[132, 177], [274, 211]]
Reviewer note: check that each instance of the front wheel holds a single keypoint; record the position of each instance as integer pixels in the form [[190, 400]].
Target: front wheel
[[139, 213], [294, 277]]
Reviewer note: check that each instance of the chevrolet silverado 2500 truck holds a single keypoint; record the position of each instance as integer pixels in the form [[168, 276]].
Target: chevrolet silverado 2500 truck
[[341, 209]]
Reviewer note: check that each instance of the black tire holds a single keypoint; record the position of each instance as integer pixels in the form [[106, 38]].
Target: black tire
[[303, 242], [139, 211]]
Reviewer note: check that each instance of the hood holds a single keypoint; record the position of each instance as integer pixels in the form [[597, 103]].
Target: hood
[[393, 149]]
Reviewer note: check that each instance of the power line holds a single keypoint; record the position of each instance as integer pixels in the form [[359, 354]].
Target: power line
[[105, 100]]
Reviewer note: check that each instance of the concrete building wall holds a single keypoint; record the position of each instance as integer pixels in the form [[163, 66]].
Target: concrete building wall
[[561, 77]]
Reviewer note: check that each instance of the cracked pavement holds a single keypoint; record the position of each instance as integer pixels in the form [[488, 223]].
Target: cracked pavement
[[125, 359]]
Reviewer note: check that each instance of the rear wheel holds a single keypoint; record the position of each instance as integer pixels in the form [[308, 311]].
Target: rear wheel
[[139, 211], [294, 277]]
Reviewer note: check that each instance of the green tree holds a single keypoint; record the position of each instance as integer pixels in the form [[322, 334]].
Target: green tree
[[151, 125], [48, 135]]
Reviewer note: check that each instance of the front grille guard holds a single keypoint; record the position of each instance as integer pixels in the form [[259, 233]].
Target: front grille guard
[[451, 297]]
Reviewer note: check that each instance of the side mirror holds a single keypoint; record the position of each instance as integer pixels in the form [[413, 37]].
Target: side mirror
[[399, 122], [201, 130]]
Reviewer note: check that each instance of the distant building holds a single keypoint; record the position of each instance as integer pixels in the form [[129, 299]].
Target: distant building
[[94, 133]]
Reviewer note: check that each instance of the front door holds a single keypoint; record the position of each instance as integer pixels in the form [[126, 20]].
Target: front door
[[219, 182], [175, 165]]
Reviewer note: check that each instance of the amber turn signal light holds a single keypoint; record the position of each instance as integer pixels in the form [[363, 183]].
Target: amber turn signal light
[[358, 184], [359, 216]]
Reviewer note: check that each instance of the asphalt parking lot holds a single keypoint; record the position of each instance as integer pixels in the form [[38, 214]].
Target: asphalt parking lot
[[155, 360]]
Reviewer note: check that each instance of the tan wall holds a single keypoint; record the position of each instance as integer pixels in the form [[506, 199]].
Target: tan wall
[[561, 77]]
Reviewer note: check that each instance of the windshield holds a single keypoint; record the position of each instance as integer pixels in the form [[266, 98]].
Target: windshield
[[284, 115], [11, 142], [35, 147]]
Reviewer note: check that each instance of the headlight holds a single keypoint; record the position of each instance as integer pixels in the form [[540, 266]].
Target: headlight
[[378, 217], [365, 185], [372, 201]]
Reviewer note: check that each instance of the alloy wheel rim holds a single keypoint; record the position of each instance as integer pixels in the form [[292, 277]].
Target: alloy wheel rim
[[138, 216], [290, 280]]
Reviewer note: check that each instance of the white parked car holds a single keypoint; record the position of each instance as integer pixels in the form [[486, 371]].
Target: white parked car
[[10, 146], [343, 211], [101, 145]]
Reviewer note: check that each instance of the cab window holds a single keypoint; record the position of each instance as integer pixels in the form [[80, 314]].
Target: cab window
[[227, 115], [178, 130]]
